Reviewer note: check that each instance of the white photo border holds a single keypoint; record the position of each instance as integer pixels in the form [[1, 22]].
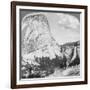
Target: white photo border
[[82, 56]]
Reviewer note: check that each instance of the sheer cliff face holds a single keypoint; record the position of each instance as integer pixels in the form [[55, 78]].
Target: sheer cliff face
[[35, 32], [37, 40]]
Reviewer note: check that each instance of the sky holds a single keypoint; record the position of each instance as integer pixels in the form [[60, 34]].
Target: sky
[[64, 26]]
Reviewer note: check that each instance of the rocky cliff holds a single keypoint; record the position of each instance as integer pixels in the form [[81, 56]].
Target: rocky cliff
[[37, 40]]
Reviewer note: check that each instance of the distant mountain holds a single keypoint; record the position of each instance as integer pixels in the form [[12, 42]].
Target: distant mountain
[[76, 43]]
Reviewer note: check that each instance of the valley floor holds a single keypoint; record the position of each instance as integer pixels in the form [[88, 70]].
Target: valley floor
[[70, 71]]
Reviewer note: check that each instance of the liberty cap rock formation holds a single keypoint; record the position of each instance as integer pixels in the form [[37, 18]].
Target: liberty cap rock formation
[[37, 40]]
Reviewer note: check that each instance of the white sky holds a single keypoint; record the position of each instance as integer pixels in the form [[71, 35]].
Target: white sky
[[64, 27]]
